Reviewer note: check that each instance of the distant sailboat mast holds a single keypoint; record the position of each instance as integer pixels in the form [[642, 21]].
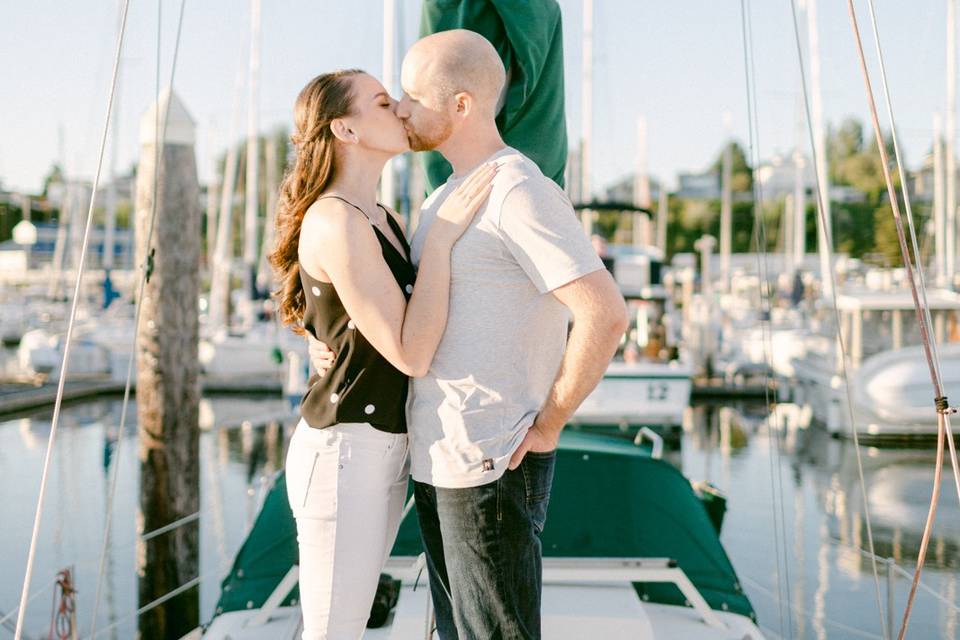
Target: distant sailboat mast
[[388, 189], [950, 218], [586, 102], [939, 226], [824, 236], [252, 206], [219, 315], [586, 115], [641, 187], [726, 204], [799, 247]]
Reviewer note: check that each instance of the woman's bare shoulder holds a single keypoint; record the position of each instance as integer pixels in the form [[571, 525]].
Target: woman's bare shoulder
[[331, 226]]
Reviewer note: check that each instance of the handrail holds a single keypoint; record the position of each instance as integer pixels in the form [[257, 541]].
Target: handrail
[[653, 437]]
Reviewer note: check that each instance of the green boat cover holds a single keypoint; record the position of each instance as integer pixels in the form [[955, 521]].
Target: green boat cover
[[609, 499], [528, 34]]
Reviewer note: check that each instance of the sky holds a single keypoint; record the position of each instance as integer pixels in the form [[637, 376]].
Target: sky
[[678, 63]]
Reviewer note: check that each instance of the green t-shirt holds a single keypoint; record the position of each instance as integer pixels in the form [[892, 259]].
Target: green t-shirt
[[528, 34]]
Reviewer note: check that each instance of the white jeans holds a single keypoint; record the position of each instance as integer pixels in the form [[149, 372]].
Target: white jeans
[[346, 485]]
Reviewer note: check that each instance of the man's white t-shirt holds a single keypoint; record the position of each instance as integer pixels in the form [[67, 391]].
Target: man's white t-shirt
[[505, 334]]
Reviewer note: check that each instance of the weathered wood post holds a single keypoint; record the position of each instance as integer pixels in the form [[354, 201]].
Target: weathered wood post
[[168, 394]]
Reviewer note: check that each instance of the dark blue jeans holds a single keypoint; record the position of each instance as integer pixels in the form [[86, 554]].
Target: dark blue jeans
[[483, 552]]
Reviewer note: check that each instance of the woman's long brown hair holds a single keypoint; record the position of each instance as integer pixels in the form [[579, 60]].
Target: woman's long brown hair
[[324, 99]]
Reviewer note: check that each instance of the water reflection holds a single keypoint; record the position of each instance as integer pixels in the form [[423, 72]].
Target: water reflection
[[794, 493], [793, 526]]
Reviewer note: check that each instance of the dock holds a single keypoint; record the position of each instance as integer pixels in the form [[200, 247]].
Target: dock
[[18, 397]]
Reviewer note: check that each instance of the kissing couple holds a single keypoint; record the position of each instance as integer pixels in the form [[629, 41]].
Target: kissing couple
[[455, 359]]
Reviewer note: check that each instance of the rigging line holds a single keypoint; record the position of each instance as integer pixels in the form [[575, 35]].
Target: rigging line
[[768, 344], [160, 131], [190, 584], [890, 562], [55, 423], [755, 584], [776, 478], [921, 279], [942, 414], [936, 595], [39, 592], [828, 236]]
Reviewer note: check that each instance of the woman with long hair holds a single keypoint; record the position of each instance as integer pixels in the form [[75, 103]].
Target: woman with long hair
[[346, 279]]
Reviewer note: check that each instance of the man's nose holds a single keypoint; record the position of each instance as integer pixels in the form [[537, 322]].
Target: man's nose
[[401, 109]]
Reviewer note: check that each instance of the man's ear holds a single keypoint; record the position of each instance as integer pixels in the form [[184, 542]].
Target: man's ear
[[342, 132], [463, 103]]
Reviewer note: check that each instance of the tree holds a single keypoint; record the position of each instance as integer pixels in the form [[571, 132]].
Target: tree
[[54, 175], [741, 174]]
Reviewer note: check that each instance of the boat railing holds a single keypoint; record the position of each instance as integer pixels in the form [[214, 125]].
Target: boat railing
[[654, 437], [582, 571]]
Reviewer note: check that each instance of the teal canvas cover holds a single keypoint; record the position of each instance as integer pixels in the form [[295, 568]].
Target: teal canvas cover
[[528, 35], [609, 499]]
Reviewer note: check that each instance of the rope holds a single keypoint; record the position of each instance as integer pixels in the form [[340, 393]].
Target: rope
[[890, 562], [39, 592], [833, 623], [828, 235], [934, 355], [943, 421], [31, 556], [153, 605], [776, 479], [176, 524], [160, 131], [906, 574], [63, 615]]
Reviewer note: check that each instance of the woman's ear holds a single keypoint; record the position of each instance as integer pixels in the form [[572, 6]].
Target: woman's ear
[[342, 132]]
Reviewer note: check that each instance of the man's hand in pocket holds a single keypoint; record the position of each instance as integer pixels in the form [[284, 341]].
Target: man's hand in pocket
[[320, 356]]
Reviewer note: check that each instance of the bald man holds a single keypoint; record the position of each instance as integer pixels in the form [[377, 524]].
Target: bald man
[[485, 420]]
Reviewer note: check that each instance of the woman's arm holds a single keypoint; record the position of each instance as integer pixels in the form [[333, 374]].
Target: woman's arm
[[346, 247]]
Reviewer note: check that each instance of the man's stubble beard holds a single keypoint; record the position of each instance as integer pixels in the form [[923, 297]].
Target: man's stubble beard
[[430, 141]]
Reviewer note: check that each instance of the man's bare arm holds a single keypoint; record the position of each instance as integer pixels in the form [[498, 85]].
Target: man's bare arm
[[599, 322]]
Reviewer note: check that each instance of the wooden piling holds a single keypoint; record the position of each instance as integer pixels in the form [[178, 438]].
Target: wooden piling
[[168, 392]]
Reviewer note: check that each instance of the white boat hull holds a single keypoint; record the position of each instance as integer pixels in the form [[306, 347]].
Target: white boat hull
[[644, 393], [570, 610]]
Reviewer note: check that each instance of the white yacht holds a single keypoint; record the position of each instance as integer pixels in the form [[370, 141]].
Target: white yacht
[[890, 387]]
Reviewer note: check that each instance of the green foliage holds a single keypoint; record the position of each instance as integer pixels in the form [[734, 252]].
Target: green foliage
[[54, 175], [741, 175], [10, 215], [860, 229]]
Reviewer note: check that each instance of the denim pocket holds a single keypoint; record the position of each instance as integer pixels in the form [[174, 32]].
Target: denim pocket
[[537, 470]]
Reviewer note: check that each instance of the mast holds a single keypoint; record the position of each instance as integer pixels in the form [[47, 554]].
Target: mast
[[950, 217], [59, 245], [388, 187], [586, 101], [641, 187], [799, 248], [212, 185], [110, 219], [824, 235], [220, 278], [641, 179], [264, 273], [939, 226], [250, 243], [662, 211], [726, 207]]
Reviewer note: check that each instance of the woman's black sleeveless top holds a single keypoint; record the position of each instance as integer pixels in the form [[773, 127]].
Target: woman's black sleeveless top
[[362, 386]]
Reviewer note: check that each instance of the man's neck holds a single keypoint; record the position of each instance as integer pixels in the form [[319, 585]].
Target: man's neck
[[467, 149]]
